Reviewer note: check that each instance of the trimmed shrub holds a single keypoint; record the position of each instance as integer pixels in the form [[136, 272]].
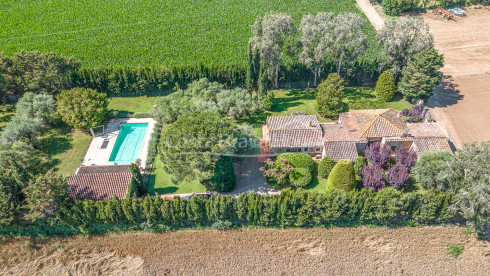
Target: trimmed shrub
[[299, 160], [300, 177], [325, 166], [385, 86], [342, 176], [329, 96], [268, 101], [359, 164], [224, 179]]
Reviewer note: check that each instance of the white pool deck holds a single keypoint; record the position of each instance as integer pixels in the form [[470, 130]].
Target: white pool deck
[[97, 156]]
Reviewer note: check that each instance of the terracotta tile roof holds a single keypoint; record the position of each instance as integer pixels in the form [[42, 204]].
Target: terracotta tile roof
[[295, 138], [425, 130], [374, 122], [341, 150], [292, 122], [98, 186], [341, 134], [431, 144]]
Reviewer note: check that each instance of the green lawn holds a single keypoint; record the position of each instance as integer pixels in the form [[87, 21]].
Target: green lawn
[[124, 106], [66, 148], [297, 100], [160, 182]]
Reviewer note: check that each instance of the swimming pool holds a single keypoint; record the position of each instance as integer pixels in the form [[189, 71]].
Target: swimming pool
[[128, 143]]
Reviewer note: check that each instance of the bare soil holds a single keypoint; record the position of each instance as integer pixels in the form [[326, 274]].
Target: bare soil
[[461, 104], [347, 251]]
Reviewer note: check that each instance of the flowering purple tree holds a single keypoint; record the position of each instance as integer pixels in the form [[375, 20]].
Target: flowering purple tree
[[415, 114], [372, 177], [398, 175], [406, 157], [376, 154]]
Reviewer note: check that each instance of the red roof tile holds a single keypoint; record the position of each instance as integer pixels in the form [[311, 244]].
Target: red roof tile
[[98, 186]]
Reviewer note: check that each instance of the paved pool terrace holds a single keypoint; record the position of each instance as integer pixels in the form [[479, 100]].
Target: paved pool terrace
[[99, 152]]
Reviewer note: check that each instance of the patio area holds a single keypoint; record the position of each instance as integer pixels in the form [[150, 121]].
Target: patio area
[[101, 147]]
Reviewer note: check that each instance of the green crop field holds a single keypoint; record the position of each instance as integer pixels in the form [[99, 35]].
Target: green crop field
[[147, 32]]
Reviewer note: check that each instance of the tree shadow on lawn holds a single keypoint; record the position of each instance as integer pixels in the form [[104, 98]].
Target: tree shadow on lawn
[[292, 98]]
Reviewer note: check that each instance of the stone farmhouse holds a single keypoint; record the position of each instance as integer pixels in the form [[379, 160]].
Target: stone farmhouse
[[348, 137]]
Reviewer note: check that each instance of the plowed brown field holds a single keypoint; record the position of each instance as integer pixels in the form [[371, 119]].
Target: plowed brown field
[[462, 103], [347, 251]]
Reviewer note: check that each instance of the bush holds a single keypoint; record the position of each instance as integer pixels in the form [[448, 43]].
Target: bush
[[325, 166], [299, 160], [222, 225], [329, 96], [268, 101], [385, 86], [359, 164], [431, 168], [373, 177], [300, 177], [342, 176], [82, 108], [392, 7], [224, 179]]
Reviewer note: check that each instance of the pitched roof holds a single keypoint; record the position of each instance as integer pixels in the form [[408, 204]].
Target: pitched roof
[[431, 144], [295, 138], [374, 122], [337, 150], [292, 122], [425, 130], [98, 186], [341, 134]]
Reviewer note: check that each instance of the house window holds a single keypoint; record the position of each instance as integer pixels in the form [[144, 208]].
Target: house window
[[299, 150], [305, 149], [317, 149], [288, 150]]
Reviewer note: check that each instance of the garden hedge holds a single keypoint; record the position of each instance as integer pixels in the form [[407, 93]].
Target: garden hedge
[[299, 160], [325, 167], [342, 176]]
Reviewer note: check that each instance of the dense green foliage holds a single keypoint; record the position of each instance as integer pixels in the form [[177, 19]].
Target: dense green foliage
[[223, 179], [298, 160], [35, 72], [190, 147], [329, 96], [82, 108], [204, 95], [421, 75], [385, 86], [289, 209], [430, 169], [138, 186], [43, 195], [359, 164], [395, 7], [342, 176], [325, 167], [147, 32]]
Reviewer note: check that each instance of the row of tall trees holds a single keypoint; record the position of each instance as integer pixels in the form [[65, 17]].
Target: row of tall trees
[[323, 37]]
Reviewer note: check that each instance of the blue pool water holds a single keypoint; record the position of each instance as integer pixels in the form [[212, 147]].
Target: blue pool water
[[128, 143]]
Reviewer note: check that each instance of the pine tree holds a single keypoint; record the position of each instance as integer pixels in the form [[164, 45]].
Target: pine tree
[[329, 96], [385, 86], [421, 75]]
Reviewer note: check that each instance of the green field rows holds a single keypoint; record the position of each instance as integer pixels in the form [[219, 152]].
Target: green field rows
[[146, 32]]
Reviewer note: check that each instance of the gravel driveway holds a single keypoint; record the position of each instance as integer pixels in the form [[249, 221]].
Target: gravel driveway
[[249, 177]]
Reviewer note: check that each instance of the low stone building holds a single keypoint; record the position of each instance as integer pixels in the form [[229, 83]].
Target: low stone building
[[348, 137]]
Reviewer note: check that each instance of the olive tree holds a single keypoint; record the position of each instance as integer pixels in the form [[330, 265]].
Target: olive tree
[[313, 30], [401, 39], [39, 107], [270, 33], [82, 108], [346, 41]]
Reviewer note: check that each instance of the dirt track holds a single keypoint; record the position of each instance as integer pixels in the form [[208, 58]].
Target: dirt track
[[346, 251], [462, 103]]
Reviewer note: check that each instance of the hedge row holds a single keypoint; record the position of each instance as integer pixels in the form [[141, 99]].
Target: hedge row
[[289, 209], [132, 81]]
